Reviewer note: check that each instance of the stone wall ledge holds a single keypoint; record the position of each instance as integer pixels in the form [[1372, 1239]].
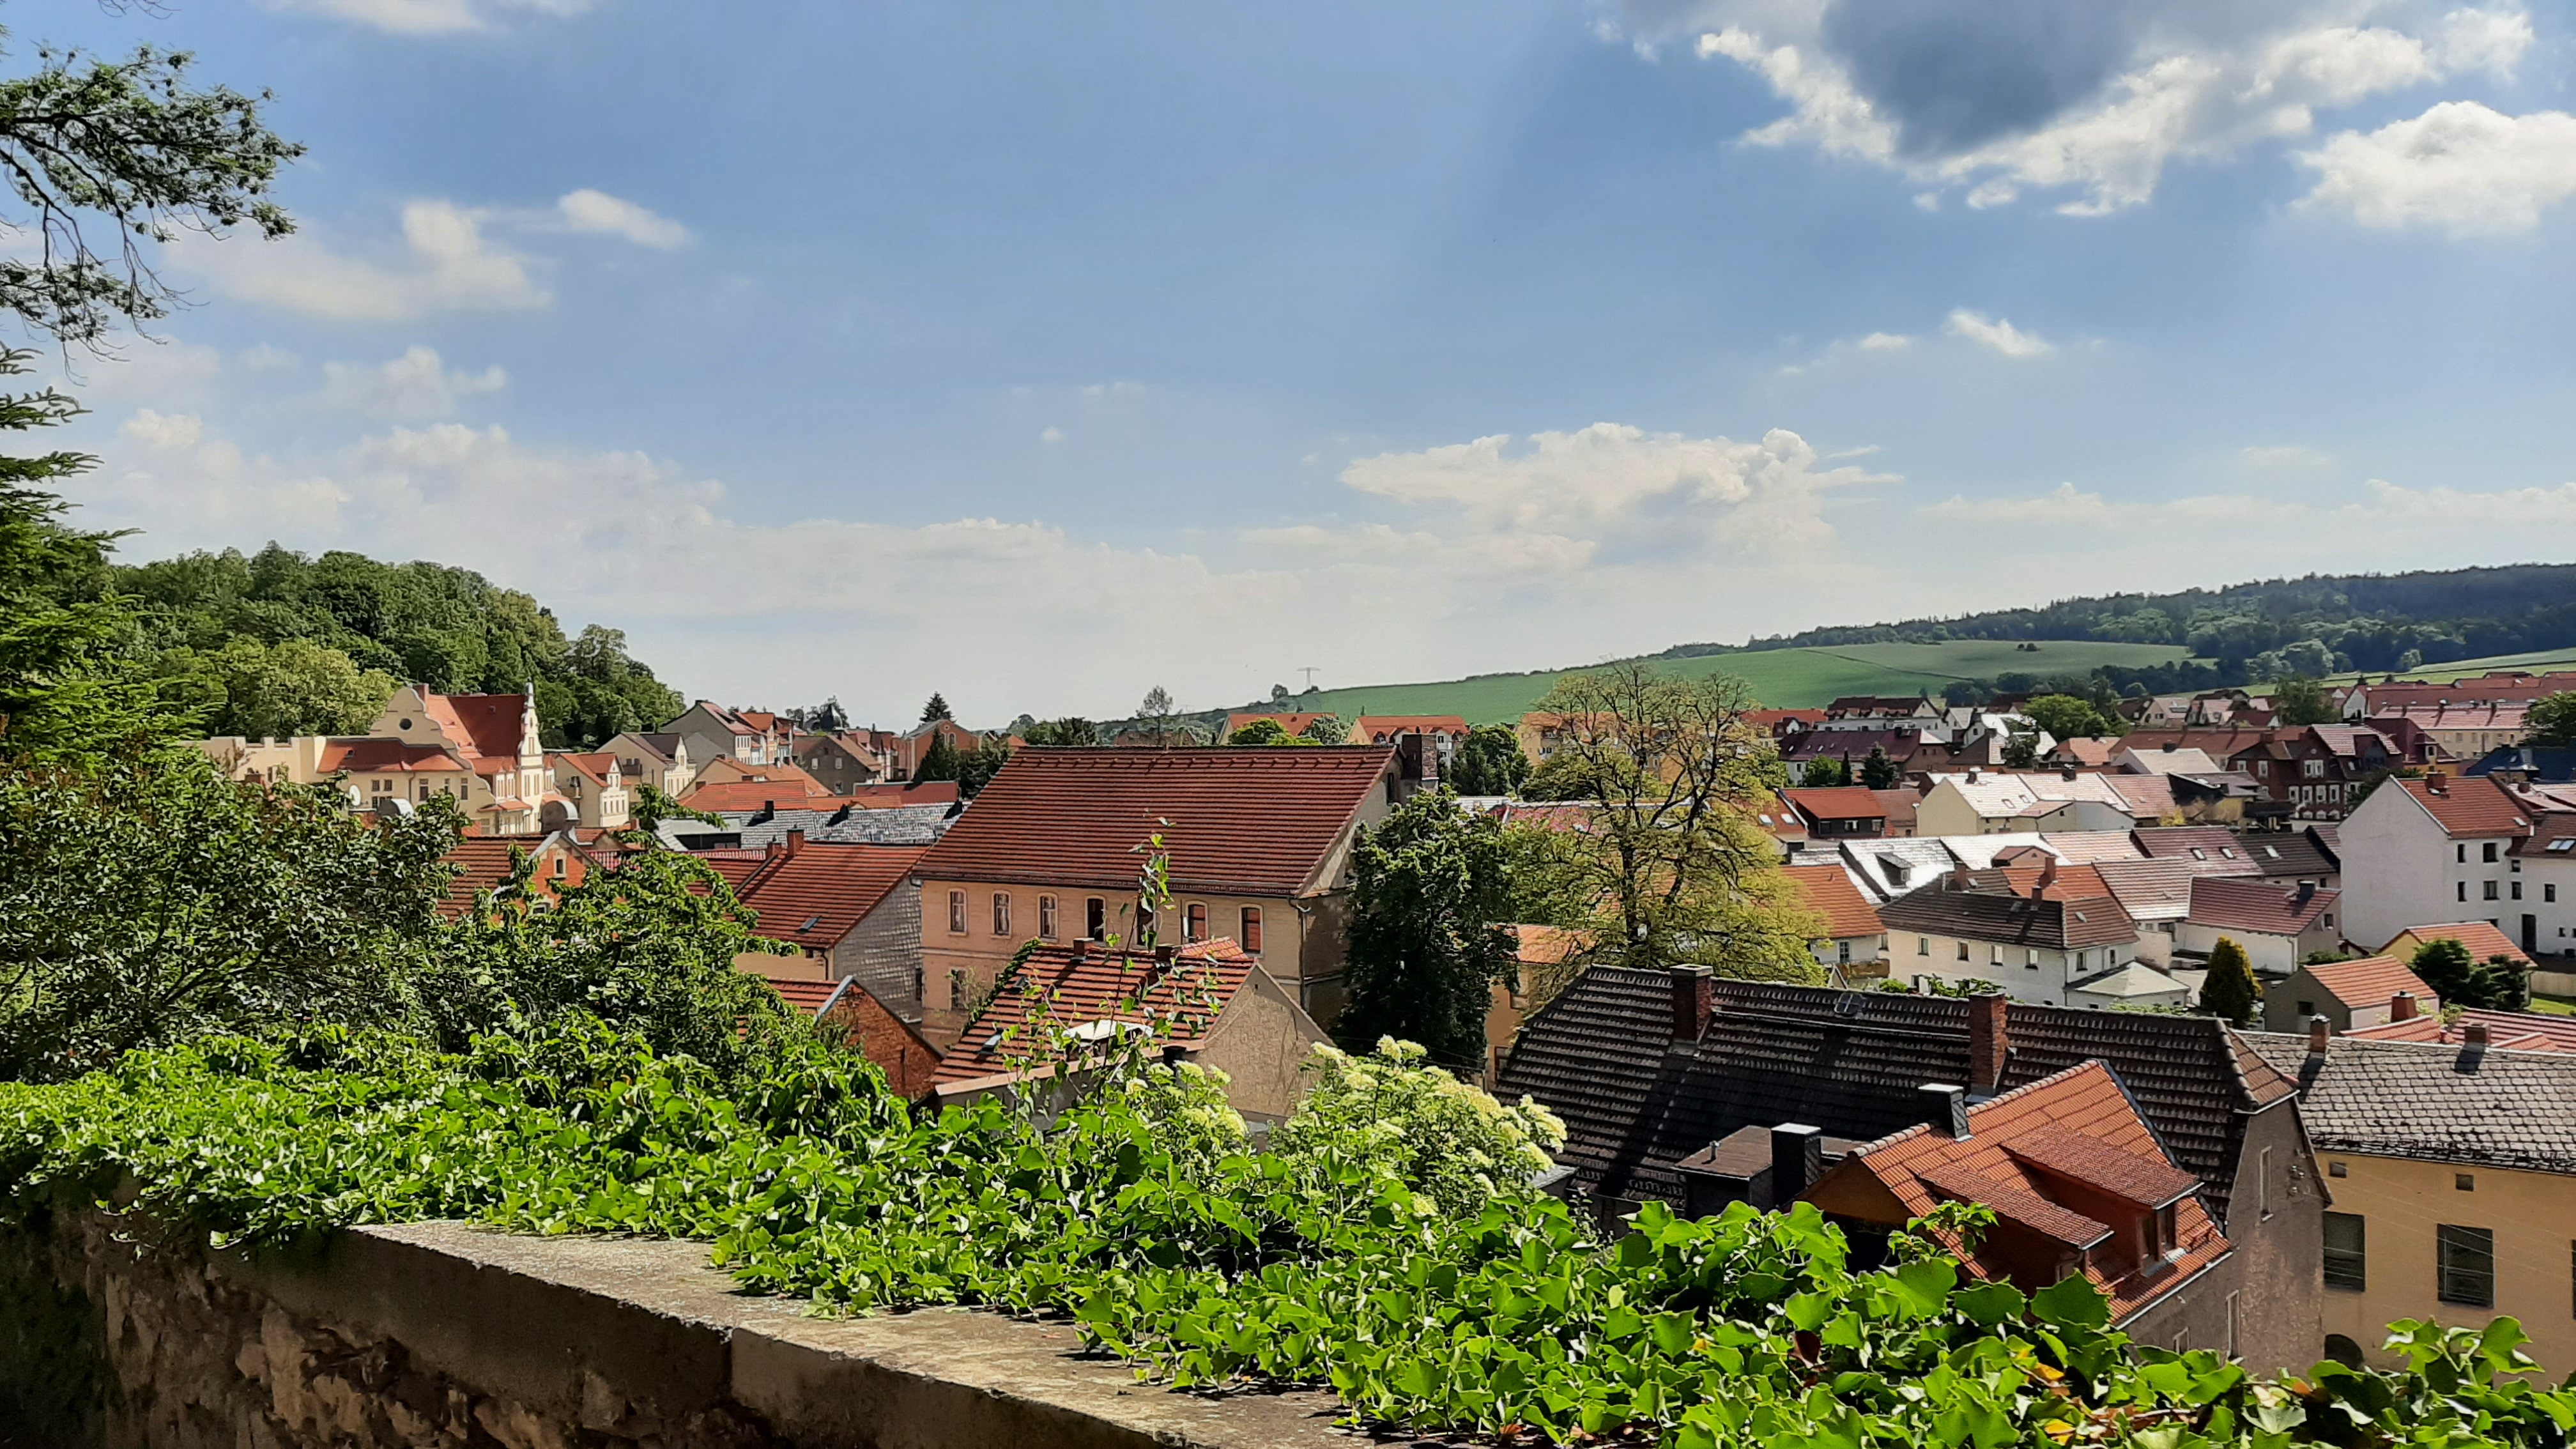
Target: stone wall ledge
[[448, 1334]]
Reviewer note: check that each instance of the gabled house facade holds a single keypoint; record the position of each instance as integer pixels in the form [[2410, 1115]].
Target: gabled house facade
[[2278, 925], [2445, 849], [1258, 842], [849, 912], [587, 789], [495, 735], [656, 758], [712, 732], [2349, 995], [2044, 936]]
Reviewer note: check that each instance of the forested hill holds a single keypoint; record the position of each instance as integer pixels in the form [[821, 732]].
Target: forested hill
[[2364, 621], [275, 643]]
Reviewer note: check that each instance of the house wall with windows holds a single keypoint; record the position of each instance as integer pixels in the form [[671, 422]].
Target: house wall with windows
[[2037, 974], [2400, 1208], [2402, 868], [1298, 941]]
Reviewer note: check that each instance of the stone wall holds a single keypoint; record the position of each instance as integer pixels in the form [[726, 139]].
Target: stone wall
[[439, 1334]]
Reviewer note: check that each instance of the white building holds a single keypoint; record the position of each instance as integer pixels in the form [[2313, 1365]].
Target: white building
[[2417, 852]]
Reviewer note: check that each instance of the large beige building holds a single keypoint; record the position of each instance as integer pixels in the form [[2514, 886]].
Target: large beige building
[[1258, 843], [481, 750], [2450, 1173]]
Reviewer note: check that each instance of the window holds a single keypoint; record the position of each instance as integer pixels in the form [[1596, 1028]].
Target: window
[[2232, 1302], [2030, 958], [1995, 955], [2464, 890], [2313, 769], [1001, 913], [2083, 959], [2307, 1009], [1963, 950], [1251, 938], [2490, 891], [2487, 853], [2517, 890], [2164, 1232], [1922, 945], [1144, 919], [957, 913], [2346, 1262], [1095, 919], [1842, 953], [2464, 1265], [2338, 1169], [2463, 853], [2464, 1182], [2549, 891], [1046, 918], [1194, 925], [957, 989], [2263, 1182]]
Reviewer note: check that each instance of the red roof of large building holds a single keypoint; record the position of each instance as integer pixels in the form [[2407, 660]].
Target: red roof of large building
[[1249, 821], [2477, 805], [753, 794], [2372, 981], [483, 861], [2047, 1158], [2211, 850], [814, 894], [1069, 987], [487, 724], [1841, 802], [2257, 905], [384, 756], [1829, 889]]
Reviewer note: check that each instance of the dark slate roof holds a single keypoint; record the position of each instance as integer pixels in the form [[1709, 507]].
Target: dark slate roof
[[2295, 854], [1850, 1063], [2548, 764], [2433, 1102], [1989, 912], [847, 825]]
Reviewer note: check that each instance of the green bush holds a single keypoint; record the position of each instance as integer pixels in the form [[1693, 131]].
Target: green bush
[[1351, 1257]]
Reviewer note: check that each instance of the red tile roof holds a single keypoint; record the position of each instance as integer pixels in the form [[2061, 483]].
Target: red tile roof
[[1844, 802], [806, 997], [820, 892], [1372, 727], [2076, 1127], [594, 765], [1548, 816], [483, 861], [2484, 941], [384, 756], [2372, 981], [2474, 806], [736, 866], [1248, 821], [2209, 849], [1829, 889], [1069, 986], [753, 794], [2257, 905], [486, 724], [1294, 724]]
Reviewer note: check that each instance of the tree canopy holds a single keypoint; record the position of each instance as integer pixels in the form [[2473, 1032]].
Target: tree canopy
[[2301, 700], [2230, 992], [1489, 762], [2496, 984], [2067, 717], [2552, 721], [1430, 933]]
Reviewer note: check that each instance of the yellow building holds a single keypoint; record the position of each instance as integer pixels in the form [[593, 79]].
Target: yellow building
[[2450, 1173]]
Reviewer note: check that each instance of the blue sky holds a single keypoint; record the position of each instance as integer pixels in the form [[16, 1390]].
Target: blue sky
[[1040, 354]]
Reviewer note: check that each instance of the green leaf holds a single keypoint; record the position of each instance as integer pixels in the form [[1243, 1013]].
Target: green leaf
[[2072, 1302]]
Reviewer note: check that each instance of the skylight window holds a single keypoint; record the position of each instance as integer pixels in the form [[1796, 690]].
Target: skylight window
[[810, 923], [2199, 854]]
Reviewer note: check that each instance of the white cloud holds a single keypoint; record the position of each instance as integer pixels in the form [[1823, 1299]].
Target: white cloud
[[427, 17], [2459, 166], [157, 430], [448, 265], [590, 210], [2324, 521], [2094, 111], [2383, 501], [1996, 333], [415, 387], [1052, 434], [1885, 342]]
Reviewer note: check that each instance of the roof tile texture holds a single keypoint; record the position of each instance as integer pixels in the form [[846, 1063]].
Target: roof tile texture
[[2435, 1102], [1068, 986], [1251, 821]]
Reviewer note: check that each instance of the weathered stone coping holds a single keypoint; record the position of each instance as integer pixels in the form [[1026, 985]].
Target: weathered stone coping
[[560, 1323]]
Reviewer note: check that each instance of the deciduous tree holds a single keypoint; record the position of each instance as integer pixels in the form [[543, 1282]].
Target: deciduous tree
[[2300, 700], [1429, 935], [1824, 772], [2066, 717], [2552, 721], [1878, 772], [1490, 762]]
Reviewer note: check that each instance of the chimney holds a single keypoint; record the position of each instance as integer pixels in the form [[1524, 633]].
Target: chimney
[[1174, 1054], [2048, 873], [1081, 949], [2319, 1031], [795, 841], [2307, 892], [2401, 1007], [2070, 772], [1166, 953], [1959, 876], [1946, 1108], [1797, 1160], [1988, 1044], [1972, 774], [1694, 1001], [2474, 1034]]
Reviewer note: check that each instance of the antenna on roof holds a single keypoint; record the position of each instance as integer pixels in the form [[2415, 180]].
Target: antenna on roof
[[1309, 671]]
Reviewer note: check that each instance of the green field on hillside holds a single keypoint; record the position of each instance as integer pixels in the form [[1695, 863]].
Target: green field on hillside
[[1784, 678], [2542, 661]]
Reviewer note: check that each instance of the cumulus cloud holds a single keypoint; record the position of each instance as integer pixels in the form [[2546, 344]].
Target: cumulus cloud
[[1619, 488], [158, 430], [447, 264], [2323, 520], [2088, 102], [1885, 342], [428, 17], [1996, 333], [2459, 167], [415, 387], [591, 210]]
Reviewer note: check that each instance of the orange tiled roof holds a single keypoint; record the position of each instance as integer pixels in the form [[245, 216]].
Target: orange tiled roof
[[2371, 981], [2077, 1126], [2484, 941], [726, 795], [1248, 820], [483, 861], [2474, 806], [2241, 904], [1829, 889], [1075, 985], [593, 765], [820, 892], [1840, 802], [487, 723]]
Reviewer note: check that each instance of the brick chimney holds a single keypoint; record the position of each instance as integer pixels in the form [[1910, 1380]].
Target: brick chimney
[[2048, 873], [1988, 1045], [1694, 1001], [2070, 772], [2307, 893], [795, 841], [2401, 1007], [1959, 875], [2475, 1034], [1972, 774], [2320, 1031]]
